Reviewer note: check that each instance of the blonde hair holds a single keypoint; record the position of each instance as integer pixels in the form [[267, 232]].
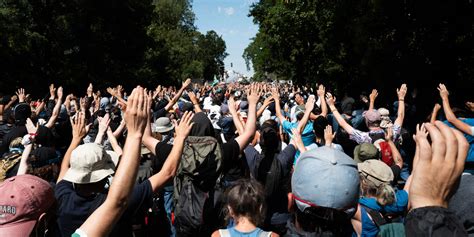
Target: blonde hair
[[384, 193]]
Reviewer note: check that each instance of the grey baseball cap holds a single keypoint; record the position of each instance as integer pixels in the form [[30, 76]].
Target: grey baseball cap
[[325, 177]]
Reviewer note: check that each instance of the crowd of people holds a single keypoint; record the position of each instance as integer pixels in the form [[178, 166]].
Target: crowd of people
[[231, 159]]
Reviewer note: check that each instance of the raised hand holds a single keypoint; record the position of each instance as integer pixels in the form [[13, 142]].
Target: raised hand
[[443, 91], [52, 91], [253, 94], [194, 99], [331, 100], [275, 94], [182, 130], [79, 127], [60, 92], [21, 95], [321, 91], [402, 91], [187, 83], [90, 90], [374, 94], [136, 115], [309, 103], [268, 101], [104, 123], [439, 165], [31, 127], [328, 135]]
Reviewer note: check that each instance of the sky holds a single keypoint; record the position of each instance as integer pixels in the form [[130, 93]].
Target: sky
[[229, 19]]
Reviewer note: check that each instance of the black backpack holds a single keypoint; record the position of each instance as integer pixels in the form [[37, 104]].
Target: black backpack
[[198, 171], [270, 173]]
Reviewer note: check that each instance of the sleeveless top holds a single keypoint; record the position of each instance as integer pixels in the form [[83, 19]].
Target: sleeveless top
[[232, 232]]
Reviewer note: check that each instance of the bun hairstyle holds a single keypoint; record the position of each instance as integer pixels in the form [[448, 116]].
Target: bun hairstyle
[[246, 198]]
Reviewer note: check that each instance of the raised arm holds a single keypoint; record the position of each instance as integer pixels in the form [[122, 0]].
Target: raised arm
[[102, 220], [148, 140], [434, 114], [113, 142], [265, 104], [464, 127], [119, 129], [79, 130], [235, 116], [195, 102], [178, 94], [103, 125], [171, 164], [328, 136], [56, 109], [276, 97], [340, 120], [253, 94], [321, 93], [397, 157], [307, 112], [372, 97], [31, 128], [401, 92]]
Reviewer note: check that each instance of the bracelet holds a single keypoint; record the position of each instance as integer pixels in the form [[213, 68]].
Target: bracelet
[[401, 99]]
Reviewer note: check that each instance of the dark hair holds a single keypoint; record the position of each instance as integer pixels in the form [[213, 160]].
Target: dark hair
[[246, 198], [323, 219], [319, 124]]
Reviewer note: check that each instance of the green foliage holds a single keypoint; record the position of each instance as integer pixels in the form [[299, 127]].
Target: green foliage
[[106, 42], [363, 43]]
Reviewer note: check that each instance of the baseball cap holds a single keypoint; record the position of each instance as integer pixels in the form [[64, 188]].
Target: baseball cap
[[376, 171], [325, 177], [90, 163], [365, 151], [371, 116], [162, 125], [23, 199]]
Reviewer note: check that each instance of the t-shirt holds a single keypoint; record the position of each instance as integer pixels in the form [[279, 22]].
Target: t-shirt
[[307, 135], [469, 137], [73, 209], [285, 157]]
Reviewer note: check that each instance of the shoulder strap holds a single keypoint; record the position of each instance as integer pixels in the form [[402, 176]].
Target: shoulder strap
[[224, 233], [265, 234], [376, 216]]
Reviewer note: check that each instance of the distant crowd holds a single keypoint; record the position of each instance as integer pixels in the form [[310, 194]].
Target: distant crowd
[[231, 159]]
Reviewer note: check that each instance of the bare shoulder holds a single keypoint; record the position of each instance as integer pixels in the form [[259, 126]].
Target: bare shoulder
[[216, 234]]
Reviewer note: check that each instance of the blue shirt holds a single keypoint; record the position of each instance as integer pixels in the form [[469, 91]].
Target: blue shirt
[[307, 135], [469, 138]]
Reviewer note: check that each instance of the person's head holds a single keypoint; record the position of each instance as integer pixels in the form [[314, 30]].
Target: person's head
[[372, 118], [162, 125], [16, 146], [43, 162], [299, 99], [299, 112], [21, 112], [90, 163], [328, 201], [202, 126], [375, 178], [246, 198], [319, 124], [365, 151], [24, 200], [269, 137]]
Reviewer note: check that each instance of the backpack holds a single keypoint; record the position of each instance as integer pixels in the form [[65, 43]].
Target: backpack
[[387, 227], [8, 162], [198, 172], [270, 173]]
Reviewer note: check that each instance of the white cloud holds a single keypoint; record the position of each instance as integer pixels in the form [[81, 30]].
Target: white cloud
[[226, 10], [229, 11]]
